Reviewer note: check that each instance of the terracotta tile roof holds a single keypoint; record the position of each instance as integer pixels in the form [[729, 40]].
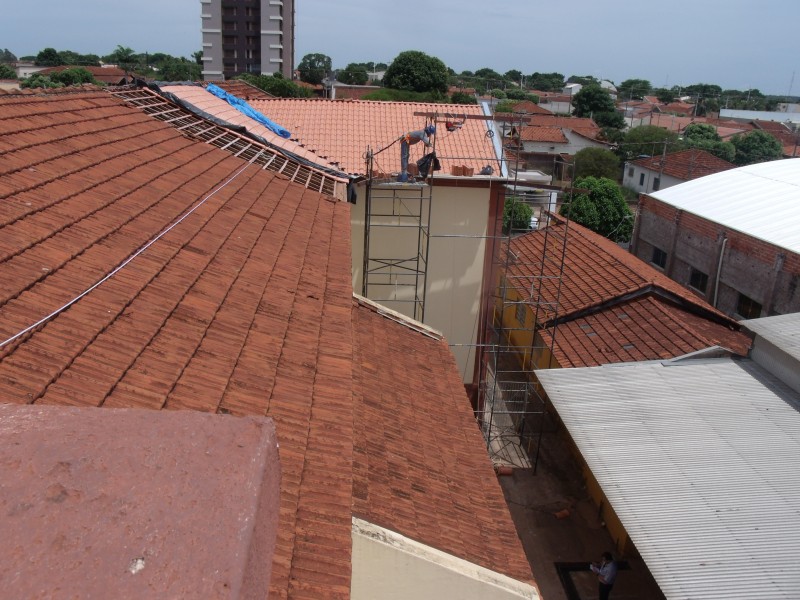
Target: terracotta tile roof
[[224, 287], [109, 75], [598, 278], [354, 92], [271, 156], [200, 98], [242, 89], [407, 477], [685, 164], [580, 125], [543, 134], [530, 108], [678, 108], [341, 131]]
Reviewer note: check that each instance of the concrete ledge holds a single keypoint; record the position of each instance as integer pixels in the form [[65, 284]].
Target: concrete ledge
[[116, 503]]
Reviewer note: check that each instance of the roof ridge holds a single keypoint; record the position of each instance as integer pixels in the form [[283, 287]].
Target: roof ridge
[[397, 317]]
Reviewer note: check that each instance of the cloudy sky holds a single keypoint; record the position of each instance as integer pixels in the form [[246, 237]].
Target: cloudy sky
[[737, 44]]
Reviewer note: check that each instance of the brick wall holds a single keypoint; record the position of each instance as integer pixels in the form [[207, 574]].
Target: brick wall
[[761, 271]]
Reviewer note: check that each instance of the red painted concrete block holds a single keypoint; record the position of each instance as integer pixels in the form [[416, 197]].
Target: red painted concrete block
[[119, 503]]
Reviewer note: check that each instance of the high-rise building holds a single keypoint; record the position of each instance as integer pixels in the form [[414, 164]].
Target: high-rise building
[[247, 36]]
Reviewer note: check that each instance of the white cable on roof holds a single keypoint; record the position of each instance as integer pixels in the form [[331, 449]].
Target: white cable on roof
[[128, 260]]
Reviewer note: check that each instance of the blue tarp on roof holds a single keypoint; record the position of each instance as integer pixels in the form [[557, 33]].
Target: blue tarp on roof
[[248, 110]]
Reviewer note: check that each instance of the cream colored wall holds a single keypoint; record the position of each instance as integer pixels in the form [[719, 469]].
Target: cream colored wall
[[455, 264], [388, 566]]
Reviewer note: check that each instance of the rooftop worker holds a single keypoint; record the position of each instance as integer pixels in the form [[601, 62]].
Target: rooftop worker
[[413, 137]]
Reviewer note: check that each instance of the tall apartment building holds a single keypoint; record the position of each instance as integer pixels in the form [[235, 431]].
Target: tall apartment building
[[247, 36]]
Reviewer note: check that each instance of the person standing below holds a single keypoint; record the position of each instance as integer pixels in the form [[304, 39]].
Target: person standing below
[[413, 137], [606, 572]]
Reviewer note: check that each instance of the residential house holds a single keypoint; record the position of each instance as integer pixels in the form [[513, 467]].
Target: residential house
[[151, 259], [692, 462], [530, 108], [107, 75], [731, 237], [652, 173], [788, 137], [558, 104], [601, 306]]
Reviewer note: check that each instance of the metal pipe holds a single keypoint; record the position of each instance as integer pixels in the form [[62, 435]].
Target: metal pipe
[[719, 271]]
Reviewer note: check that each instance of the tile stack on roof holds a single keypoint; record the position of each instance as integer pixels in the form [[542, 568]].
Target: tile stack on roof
[[612, 307], [685, 164], [242, 306], [341, 130]]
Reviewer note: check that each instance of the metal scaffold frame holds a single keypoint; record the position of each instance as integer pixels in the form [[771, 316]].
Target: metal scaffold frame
[[510, 406]]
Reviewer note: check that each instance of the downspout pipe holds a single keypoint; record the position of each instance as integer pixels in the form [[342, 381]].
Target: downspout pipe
[[719, 271]]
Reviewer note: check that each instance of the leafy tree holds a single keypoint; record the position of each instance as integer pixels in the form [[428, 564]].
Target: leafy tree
[[664, 95], [463, 98], [596, 162], [634, 88], [198, 57], [6, 56], [546, 82], [487, 73], [609, 120], [756, 146], [702, 89], [7, 72], [592, 100], [532, 97], [705, 137], [497, 93], [603, 209], [583, 80], [416, 71], [314, 68], [179, 69], [74, 76], [48, 57], [513, 75], [516, 94], [390, 95], [505, 106], [353, 74], [516, 215], [37, 80], [647, 140], [277, 86]]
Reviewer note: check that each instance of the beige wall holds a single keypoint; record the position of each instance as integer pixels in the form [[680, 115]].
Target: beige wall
[[455, 264], [388, 566]]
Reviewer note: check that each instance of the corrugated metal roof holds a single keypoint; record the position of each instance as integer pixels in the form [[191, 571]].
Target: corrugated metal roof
[[699, 461], [761, 200], [781, 330]]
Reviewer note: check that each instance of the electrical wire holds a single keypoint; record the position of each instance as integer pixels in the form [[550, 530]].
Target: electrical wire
[[130, 259]]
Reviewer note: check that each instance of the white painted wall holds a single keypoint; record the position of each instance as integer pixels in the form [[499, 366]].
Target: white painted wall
[[388, 566], [633, 176], [455, 264]]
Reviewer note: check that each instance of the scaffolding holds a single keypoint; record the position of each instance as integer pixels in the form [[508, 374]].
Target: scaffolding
[[509, 404]]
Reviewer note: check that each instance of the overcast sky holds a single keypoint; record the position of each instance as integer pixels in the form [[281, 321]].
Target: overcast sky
[[737, 44]]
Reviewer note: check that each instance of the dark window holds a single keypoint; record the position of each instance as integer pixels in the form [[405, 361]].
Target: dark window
[[748, 308], [659, 257], [698, 280], [630, 171], [521, 313], [656, 183], [641, 179]]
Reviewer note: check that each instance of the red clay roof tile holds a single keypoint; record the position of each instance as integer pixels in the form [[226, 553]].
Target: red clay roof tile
[[685, 164]]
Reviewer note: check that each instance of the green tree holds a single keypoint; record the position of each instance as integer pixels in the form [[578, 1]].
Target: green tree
[[516, 215], [705, 137], [416, 71], [596, 162], [179, 69], [602, 209], [592, 99], [497, 93], [198, 57], [513, 75], [647, 140], [756, 146], [7, 72], [505, 106], [516, 93], [633, 88], [353, 74], [545, 82], [37, 80], [609, 120], [664, 95], [74, 76], [277, 86], [463, 98], [583, 80], [48, 57], [6, 56], [314, 68]]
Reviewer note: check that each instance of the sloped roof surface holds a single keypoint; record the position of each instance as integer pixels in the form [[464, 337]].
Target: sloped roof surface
[[582, 125], [531, 108], [705, 482], [200, 98], [341, 130], [610, 293], [760, 200], [242, 89], [420, 465], [685, 164], [543, 134], [170, 274]]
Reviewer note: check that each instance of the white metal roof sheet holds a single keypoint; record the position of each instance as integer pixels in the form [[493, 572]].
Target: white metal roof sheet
[[699, 459], [761, 200], [781, 330]]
